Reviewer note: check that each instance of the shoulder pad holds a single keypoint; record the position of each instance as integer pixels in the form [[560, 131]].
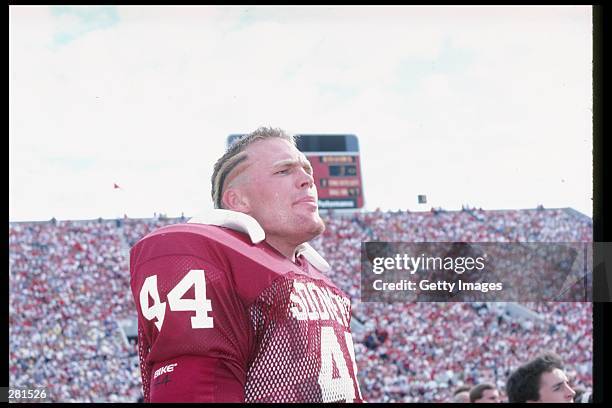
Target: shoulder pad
[[245, 223]]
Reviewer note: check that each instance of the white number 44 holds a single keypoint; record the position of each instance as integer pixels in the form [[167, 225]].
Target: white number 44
[[200, 305]]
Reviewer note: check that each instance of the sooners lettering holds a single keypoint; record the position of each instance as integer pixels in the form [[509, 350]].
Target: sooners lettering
[[317, 297], [310, 302], [166, 369]]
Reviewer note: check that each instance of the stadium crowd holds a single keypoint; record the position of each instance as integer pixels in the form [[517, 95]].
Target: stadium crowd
[[69, 288]]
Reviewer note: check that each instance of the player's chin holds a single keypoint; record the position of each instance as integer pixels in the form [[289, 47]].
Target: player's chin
[[312, 223], [320, 226], [307, 212]]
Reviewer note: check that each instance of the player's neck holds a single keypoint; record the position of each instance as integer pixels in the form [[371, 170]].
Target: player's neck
[[286, 249]]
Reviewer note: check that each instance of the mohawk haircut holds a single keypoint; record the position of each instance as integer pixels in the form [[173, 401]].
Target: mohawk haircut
[[236, 154]]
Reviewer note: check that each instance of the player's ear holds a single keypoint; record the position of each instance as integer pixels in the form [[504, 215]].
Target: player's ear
[[235, 199]]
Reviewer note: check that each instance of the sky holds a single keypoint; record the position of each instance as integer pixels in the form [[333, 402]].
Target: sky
[[486, 106]]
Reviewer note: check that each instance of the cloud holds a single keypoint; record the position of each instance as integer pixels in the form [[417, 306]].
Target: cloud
[[458, 96], [76, 21]]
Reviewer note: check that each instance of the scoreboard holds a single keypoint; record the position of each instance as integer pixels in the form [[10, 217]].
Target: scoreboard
[[337, 169]]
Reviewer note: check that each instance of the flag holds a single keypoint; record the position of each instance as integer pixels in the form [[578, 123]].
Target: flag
[[115, 186]]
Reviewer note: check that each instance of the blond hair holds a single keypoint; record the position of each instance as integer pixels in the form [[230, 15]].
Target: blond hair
[[236, 154]]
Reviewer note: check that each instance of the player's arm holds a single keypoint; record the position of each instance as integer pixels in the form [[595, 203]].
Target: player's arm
[[193, 327]]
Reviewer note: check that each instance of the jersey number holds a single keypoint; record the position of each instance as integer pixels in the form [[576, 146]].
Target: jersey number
[[341, 388], [201, 305]]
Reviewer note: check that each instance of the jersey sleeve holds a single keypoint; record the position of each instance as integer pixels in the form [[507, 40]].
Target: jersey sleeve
[[194, 329]]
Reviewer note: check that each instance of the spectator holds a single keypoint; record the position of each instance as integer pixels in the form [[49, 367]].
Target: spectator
[[485, 392], [461, 394], [540, 380]]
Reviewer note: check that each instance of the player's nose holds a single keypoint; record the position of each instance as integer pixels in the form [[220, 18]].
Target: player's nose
[[304, 179], [570, 392]]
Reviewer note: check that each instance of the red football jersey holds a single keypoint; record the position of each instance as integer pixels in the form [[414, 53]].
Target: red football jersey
[[223, 319]]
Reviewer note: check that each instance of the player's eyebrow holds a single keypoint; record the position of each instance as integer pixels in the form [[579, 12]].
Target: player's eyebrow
[[292, 162], [285, 162]]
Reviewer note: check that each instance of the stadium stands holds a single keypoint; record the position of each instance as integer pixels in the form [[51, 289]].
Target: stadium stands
[[69, 285]]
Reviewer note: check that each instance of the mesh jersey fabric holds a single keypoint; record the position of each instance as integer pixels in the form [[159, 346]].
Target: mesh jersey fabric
[[223, 320]]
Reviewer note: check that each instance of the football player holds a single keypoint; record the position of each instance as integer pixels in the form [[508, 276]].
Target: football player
[[236, 306]]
